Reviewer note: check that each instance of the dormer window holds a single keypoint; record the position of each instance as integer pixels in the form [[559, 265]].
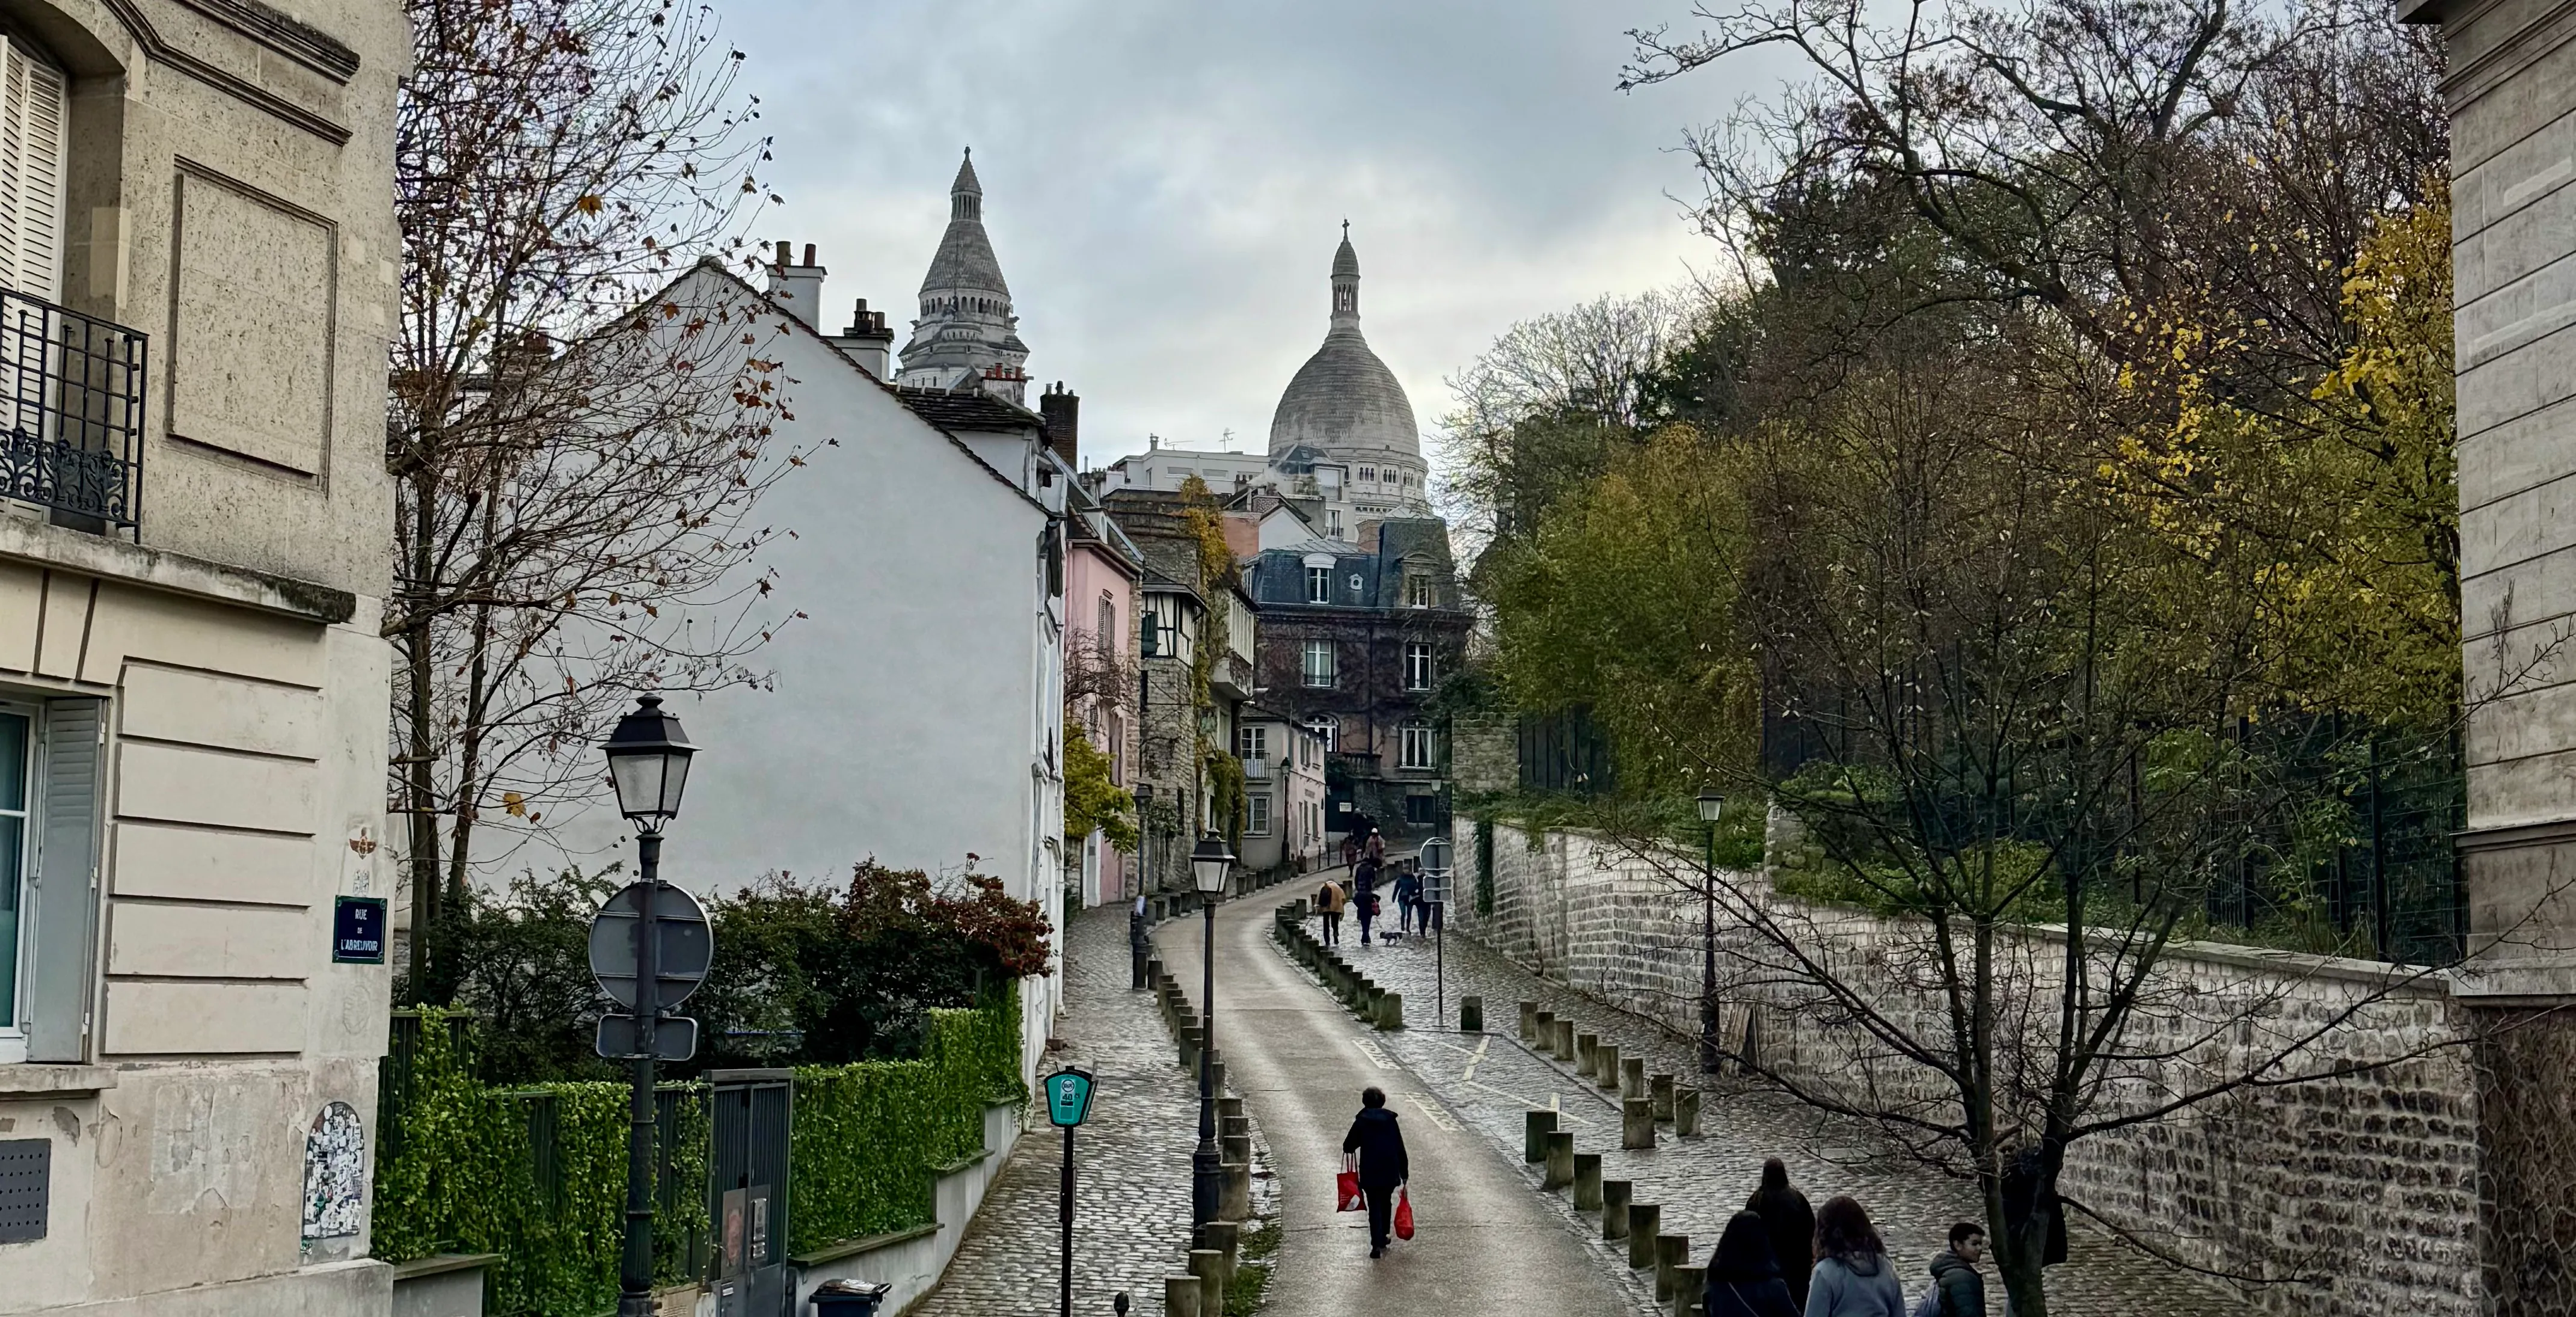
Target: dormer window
[[1368, 475]]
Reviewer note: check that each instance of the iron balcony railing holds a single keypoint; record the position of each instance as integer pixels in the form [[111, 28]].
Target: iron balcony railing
[[72, 390]]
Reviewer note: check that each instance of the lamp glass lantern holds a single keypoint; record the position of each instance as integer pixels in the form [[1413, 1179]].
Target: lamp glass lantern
[[648, 761], [1209, 862], [1710, 805]]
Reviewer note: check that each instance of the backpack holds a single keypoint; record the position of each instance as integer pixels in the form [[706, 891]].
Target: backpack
[[1930, 1305]]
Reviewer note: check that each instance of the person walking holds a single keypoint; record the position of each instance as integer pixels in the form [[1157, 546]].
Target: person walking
[[1744, 1275], [1790, 1223], [1383, 1168], [1959, 1287], [1408, 899], [1854, 1277], [1366, 902], [1376, 846], [1329, 903]]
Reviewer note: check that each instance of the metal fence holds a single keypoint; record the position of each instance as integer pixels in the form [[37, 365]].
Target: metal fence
[[71, 413]]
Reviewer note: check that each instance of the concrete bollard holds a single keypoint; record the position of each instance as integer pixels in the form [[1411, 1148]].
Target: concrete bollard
[[1529, 1021], [1645, 1221], [1636, 1125], [1153, 971], [1190, 1049], [1690, 1290], [1672, 1252], [1632, 1077], [1234, 1191], [1546, 1040], [1390, 1011], [1605, 1065], [1216, 1071], [1565, 1040], [1659, 1092], [1230, 1124], [1614, 1208], [1587, 1182], [1535, 1127], [1471, 1015], [1560, 1161], [1209, 1266], [1231, 1108], [1226, 1237], [1686, 1112], [1585, 1046], [1235, 1148], [1180, 1296]]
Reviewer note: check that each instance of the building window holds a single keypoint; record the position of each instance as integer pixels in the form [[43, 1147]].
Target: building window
[[1327, 732], [1252, 742], [1256, 814], [1358, 583], [17, 753], [1420, 810], [1418, 666], [1333, 522], [1116, 732], [1319, 663], [1368, 475], [1319, 585], [49, 776], [1417, 589], [1416, 744], [31, 173], [1150, 644], [1108, 637]]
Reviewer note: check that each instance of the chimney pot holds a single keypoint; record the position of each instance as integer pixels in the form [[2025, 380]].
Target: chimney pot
[[783, 255], [809, 253]]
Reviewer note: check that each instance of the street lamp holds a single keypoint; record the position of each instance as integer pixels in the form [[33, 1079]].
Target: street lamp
[[1711, 805], [1209, 862], [648, 763]]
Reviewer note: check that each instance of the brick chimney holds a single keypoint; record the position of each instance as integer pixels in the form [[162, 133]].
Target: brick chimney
[[1062, 409], [868, 341], [798, 289]]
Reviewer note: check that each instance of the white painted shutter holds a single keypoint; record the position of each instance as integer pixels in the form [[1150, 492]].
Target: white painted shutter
[[32, 105], [65, 919]]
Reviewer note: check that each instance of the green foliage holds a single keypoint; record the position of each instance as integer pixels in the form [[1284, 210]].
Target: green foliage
[[521, 961], [464, 1178], [868, 1136], [1091, 800], [462, 1170]]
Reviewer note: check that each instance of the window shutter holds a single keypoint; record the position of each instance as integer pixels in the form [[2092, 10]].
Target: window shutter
[[66, 894], [32, 104]]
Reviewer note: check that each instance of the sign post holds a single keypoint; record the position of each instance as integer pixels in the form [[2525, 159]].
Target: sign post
[[1434, 859], [1068, 1096]]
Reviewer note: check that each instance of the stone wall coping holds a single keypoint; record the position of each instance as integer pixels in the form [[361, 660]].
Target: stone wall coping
[[439, 1264], [2294, 964], [37, 1079], [43, 544], [850, 1248]]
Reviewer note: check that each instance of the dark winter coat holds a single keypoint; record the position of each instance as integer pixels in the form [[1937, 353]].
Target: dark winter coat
[[1744, 1276], [1791, 1224], [1380, 1144], [1963, 1291], [1862, 1285], [1407, 889]]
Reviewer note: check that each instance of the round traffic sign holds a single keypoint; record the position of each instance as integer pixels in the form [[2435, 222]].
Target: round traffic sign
[[687, 946]]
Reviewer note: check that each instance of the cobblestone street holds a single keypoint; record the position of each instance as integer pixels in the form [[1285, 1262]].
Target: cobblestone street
[[1489, 1081], [1132, 1158]]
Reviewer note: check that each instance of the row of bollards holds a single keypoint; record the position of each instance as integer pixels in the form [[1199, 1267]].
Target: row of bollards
[[1214, 1248], [1379, 1008], [1644, 1101]]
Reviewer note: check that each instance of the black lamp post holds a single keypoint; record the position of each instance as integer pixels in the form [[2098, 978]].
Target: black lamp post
[[648, 762], [1711, 805], [1209, 861]]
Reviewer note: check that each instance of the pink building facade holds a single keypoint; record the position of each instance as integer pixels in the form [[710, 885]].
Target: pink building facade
[[1102, 572]]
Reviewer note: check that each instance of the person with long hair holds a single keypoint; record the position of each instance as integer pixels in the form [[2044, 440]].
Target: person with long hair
[[1791, 1224], [1743, 1274], [1854, 1276]]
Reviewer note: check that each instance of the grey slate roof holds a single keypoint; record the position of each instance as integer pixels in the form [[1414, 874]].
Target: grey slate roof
[[953, 409], [965, 260]]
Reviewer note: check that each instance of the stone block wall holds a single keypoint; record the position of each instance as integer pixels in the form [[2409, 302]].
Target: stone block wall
[[2364, 1186]]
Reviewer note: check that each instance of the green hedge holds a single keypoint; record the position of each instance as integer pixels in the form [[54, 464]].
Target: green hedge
[[536, 1175], [539, 1175], [867, 1137]]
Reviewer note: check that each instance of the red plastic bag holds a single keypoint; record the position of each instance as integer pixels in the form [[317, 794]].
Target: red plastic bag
[[1348, 1185], [1403, 1215]]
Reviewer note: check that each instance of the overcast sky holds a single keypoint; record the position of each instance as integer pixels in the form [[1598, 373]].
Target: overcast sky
[[1165, 179]]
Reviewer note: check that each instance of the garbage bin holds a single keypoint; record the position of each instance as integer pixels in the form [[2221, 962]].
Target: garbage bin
[[849, 1298]]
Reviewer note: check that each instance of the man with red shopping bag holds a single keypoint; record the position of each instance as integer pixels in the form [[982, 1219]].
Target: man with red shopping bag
[[1383, 1170]]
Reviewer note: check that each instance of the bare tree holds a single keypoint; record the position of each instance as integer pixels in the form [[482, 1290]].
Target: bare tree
[[577, 452]]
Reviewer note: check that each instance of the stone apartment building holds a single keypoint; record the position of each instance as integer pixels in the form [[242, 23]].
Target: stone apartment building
[[1355, 640], [197, 273]]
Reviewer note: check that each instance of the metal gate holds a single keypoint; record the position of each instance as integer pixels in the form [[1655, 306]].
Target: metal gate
[[748, 1114]]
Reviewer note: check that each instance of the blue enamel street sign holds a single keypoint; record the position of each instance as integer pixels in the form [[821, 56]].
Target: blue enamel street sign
[[358, 930], [1068, 1095]]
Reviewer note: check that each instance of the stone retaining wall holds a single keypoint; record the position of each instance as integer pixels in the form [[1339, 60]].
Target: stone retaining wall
[[2366, 1182]]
